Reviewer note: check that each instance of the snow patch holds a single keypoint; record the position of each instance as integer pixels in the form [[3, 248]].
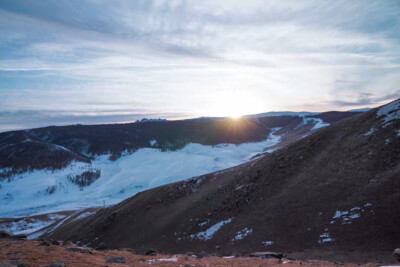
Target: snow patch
[[346, 217], [318, 123], [203, 223], [55, 217], [390, 112], [370, 132], [325, 238], [208, 234], [84, 215], [242, 234], [153, 143], [354, 216], [150, 262], [339, 214], [267, 243], [57, 147]]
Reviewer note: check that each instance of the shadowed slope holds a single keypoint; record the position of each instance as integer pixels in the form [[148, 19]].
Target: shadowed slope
[[337, 188]]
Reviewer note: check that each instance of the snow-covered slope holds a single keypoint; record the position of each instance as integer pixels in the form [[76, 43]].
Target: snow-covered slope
[[42, 191]]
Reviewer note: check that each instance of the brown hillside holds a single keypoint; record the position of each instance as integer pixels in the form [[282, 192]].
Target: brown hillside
[[337, 189]]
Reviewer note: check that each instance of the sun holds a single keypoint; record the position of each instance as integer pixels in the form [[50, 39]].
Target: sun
[[235, 114], [236, 117], [233, 105]]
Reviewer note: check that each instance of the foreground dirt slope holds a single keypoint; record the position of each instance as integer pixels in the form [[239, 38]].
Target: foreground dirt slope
[[334, 190], [32, 254]]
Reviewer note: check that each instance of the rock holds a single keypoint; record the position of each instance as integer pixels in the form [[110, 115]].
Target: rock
[[101, 247], [116, 260], [396, 254], [44, 243], [58, 264], [273, 255], [5, 234], [151, 252], [67, 243], [13, 263], [21, 236], [126, 249], [202, 254], [55, 242], [80, 250]]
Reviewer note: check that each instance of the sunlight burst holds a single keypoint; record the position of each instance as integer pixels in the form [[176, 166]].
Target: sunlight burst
[[234, 105]]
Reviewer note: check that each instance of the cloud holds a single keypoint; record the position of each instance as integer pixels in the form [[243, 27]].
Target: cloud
[[185, 56], [368, 99], [23, 119]]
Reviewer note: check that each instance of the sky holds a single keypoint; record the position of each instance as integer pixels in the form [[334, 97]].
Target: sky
[[66, 62]]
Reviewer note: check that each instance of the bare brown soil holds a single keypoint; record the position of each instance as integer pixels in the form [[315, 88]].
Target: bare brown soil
[[34, 255]]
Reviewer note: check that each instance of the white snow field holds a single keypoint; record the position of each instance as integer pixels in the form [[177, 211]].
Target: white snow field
[[32, 193]]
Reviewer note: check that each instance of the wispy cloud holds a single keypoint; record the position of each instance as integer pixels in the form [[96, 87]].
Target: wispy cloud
[[26, 119], [185, 56], [367, 99]]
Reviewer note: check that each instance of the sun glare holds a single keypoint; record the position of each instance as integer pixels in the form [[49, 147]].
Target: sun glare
[[234, 105], [235, 117]]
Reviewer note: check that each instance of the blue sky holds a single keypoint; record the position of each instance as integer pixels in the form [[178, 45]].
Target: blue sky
[[64, 62]]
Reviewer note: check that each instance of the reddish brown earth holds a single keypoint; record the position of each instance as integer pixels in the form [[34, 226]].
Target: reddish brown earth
[[32, 254]]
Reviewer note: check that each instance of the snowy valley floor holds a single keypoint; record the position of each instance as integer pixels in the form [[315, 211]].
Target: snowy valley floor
[[41, 192]]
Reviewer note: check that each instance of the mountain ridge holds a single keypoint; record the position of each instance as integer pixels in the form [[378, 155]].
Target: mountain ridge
[[333, 190]]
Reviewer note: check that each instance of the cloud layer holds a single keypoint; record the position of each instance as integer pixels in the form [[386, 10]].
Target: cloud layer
[[189, 57]]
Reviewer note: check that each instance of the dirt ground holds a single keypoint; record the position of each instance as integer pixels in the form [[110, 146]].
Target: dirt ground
[[33, 254]]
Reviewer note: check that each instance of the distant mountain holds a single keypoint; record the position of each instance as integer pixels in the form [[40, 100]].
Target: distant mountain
[[336, 189], [281, 113], [360, 110], [304, 113], [70, 167]]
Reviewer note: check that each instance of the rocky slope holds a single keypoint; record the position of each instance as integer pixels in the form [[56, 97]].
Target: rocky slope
[[336, 189]]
